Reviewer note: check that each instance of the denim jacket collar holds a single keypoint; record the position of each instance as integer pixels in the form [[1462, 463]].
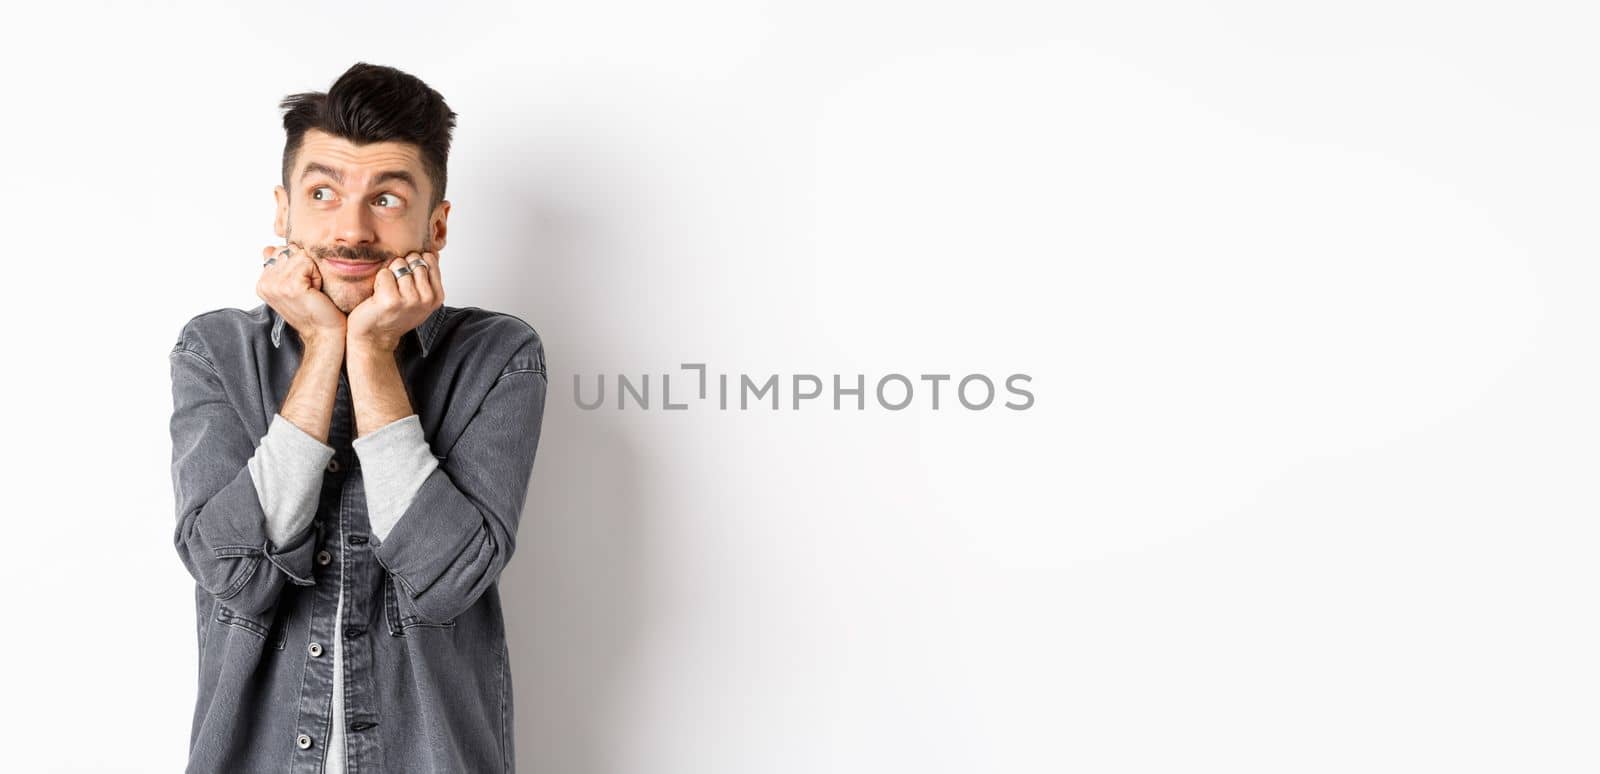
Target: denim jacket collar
[[425, 332]]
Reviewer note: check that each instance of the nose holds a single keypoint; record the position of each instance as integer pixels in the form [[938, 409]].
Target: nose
[[353, 226]]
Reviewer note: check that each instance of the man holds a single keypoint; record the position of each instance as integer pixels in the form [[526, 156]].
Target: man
[[350, 461]]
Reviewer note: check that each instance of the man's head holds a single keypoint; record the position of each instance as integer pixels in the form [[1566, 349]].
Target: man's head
[[364, 175]]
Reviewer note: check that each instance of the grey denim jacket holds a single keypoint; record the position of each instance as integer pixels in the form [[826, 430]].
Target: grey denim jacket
[[427, 683]]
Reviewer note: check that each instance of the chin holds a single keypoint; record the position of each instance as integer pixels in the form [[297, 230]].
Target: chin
[[347, 301]]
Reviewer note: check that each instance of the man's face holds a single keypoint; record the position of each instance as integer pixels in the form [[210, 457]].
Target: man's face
[[354, 208]]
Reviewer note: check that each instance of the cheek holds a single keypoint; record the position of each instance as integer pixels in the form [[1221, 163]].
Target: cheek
[[306, 221], [404, 226], [399, 235]]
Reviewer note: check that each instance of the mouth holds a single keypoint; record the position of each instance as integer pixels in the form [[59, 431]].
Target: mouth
[[353, 268]]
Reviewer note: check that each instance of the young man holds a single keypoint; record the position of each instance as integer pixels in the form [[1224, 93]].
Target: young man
[[350, 461]]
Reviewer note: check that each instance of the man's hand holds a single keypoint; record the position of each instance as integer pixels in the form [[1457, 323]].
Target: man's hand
[[293, 287], [397, 305]]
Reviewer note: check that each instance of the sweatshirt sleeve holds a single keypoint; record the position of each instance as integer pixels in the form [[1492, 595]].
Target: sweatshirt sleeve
[[395, 461], [287, 470]]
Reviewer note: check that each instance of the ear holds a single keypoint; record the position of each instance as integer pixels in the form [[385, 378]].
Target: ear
[[280, 222], [437, 226]]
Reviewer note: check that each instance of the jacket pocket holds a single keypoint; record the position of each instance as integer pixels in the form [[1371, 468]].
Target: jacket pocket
[[247, 560], [401, 612], [269, 626]]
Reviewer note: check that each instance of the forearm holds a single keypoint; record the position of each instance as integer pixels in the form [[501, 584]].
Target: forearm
[[309, 404], [376, 389]]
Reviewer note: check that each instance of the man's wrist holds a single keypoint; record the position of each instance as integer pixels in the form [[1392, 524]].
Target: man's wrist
[[371, 346], [319, 341]]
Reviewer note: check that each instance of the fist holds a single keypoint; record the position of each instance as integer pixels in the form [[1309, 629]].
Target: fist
[[397, 304], [292, 285]]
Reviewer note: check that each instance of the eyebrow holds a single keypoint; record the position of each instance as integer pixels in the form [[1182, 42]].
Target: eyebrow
[[377, 180]]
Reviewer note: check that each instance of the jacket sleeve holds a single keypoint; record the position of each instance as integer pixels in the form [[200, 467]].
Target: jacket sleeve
[[459, 530], [221, 532]]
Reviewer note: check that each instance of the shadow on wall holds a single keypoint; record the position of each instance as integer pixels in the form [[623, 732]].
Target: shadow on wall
[[572, 591]]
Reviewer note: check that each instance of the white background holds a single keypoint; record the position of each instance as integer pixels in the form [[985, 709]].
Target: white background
[[1307, 293]]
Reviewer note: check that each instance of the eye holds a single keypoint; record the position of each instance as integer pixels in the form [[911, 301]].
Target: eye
[[394, 202], [320, 188]]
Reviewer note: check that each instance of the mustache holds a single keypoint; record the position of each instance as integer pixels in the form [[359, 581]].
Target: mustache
[[366, 253]]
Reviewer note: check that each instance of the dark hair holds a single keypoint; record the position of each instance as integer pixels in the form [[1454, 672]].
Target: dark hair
[[374, 103]]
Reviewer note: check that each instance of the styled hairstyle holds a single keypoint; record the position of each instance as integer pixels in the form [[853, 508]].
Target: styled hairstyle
[[374, 103]]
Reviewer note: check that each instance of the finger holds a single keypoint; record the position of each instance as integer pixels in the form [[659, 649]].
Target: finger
[[435, 279], [272, 253], [316, 273], [274, 271], [423, 272], [272, 287], [261, 282], [384, 286], [303, 268], [406, 285]]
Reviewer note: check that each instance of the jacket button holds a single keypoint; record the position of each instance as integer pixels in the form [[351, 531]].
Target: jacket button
[[315, 649], [304, 741], [323, 557], [333, 465]]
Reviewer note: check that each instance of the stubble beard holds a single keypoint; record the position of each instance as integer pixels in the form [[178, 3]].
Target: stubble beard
[[346, 295]]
